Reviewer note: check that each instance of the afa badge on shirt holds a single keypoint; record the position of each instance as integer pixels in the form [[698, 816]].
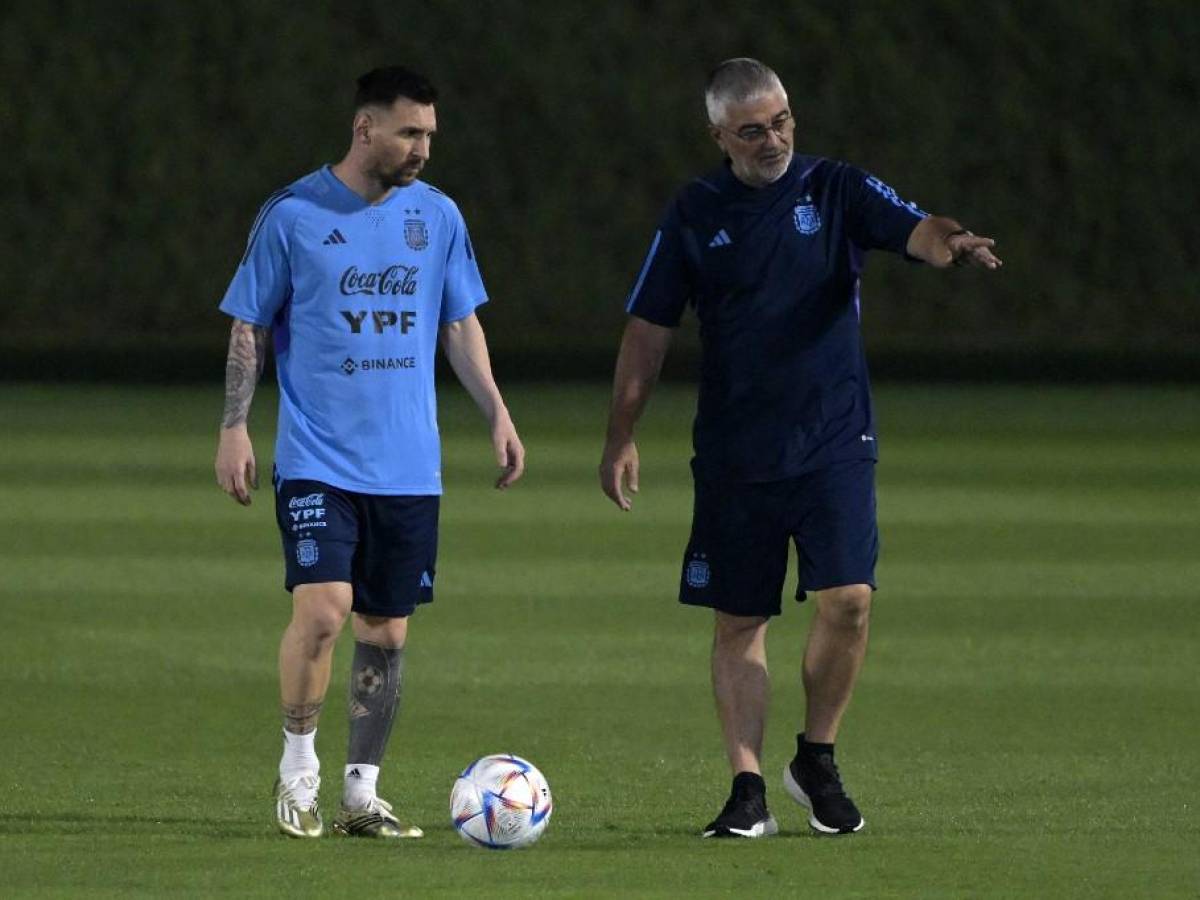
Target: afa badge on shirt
[[806, 217], [415, 234]]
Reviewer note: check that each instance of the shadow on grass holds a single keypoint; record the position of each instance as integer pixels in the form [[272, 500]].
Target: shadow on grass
[[611, 830], [608, 836], [97, 823]]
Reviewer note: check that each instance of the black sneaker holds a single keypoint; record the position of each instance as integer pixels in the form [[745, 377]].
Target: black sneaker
[[813, 781], [745, 814]]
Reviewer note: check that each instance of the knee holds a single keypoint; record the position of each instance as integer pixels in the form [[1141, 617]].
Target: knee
[[737, 630], [321, 631], [847, 607], [318, 621], [384, 632]]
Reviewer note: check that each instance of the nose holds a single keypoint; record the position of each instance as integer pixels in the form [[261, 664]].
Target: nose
[[775, 139]]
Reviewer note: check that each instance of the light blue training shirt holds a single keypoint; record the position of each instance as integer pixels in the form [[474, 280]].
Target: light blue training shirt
[[354, 294]]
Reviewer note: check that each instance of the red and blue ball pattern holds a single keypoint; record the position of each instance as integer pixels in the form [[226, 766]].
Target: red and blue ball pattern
[[501, 802]]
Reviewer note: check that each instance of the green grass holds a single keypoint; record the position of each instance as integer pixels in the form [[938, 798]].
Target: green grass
[[1026, 724]]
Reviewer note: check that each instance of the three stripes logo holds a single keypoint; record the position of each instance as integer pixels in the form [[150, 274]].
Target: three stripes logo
[[286, 813], [720, 239], [335, 237]]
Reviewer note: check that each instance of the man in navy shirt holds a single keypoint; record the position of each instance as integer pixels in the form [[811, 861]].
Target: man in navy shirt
[[357, 271], [769, 250]]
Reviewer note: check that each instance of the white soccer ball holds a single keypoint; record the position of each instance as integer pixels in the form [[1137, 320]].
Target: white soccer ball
[[500, 802]]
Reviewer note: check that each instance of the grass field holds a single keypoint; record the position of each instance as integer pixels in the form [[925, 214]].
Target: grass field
[[1026, 725]]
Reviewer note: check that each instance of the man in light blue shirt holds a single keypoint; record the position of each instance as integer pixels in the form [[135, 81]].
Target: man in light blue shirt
[[356, 270]]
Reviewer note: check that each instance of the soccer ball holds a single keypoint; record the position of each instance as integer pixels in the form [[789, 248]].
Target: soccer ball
[[500, 802]]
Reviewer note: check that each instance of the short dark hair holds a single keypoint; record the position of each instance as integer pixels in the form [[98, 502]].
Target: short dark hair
[[382, 87]]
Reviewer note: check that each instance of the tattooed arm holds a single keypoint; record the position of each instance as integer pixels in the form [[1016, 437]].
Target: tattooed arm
[[236, 471]]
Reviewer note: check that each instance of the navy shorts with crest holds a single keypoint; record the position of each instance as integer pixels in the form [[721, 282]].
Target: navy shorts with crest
[[384, 546], [736, 558]]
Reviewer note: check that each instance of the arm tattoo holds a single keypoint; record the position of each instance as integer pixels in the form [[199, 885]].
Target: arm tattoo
[[301, 718], [243, 368]]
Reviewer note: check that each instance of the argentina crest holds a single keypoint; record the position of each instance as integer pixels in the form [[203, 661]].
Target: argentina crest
[[306, 552], [415, 234], [806, 217]]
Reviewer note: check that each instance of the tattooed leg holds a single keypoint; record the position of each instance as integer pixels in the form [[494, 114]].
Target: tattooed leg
[[306, 650], [374, 699], [305, 654], [301, 718]]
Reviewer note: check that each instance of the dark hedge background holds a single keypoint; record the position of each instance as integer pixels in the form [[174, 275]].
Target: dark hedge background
[[140, 139]]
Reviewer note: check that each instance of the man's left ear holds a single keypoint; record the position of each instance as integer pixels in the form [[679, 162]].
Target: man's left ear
[[362, 128]]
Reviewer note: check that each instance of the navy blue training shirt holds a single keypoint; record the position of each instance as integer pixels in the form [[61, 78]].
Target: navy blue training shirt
[[773, 274]]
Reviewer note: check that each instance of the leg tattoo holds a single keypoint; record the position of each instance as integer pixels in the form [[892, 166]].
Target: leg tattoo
[[301, 718], [374, 698]]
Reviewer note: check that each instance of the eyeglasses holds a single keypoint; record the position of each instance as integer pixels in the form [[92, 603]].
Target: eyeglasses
[[757, 134]]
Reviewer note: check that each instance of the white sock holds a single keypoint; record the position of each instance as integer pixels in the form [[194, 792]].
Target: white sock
[[359, 787], [299, 755]]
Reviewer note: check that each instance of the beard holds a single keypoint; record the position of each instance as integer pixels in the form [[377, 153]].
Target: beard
[[759, 172], [402, 176], [772, 169]]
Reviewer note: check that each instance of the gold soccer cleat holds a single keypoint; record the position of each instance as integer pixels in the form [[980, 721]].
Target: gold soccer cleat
[[296, 811], [373, 821]]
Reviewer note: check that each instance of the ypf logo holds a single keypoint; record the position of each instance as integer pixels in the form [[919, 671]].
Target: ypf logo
[[306, 512], [381, 319]]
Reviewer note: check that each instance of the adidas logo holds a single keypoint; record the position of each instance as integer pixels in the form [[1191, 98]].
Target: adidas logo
[[426, 581], [335, 237], [720, 240]]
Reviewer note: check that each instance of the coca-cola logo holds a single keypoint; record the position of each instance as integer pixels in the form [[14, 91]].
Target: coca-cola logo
[[393, 280], [309, 500]]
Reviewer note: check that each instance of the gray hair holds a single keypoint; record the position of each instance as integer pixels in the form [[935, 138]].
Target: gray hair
[[738, 81]]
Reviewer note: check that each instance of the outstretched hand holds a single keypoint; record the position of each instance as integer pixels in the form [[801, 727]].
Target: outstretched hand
[[968, 249]]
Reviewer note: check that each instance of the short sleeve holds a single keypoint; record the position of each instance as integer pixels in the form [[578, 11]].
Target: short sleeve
[[262, 283], [462, 289], [663, 287], [878, 219]]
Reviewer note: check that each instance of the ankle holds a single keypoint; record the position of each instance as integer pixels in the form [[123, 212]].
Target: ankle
[[299, 756], [749, 784], [812, 748], [358, 788]]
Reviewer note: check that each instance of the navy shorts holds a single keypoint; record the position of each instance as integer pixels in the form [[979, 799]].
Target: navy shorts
[[736, 559], [384, 546]]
